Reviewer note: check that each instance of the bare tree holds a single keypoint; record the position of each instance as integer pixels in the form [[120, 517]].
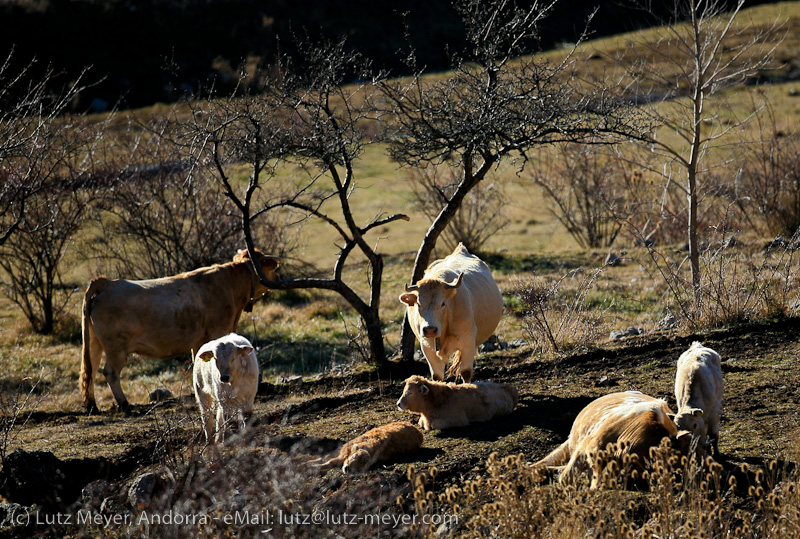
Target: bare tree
[[304, 117], [495, 104], [480, 216], [591, 194], [33, 257], [702, 50], [29, 122]]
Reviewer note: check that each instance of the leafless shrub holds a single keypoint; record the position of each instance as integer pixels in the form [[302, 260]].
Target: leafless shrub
[[33, 258], [741, 285], [557, 319], [32, 140], [16, 407], [242, 489], [768, 178], [590, 195], [479, 217]]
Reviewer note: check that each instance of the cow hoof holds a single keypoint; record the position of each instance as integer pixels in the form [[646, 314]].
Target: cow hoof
[[92, 409]]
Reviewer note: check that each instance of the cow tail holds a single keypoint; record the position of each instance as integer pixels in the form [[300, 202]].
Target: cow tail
[[86, 376], [557, 457]]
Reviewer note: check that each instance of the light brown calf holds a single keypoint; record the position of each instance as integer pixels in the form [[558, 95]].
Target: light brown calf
[[444, 405], [377, 445]]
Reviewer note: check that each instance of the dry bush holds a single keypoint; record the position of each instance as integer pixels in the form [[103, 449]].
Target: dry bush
[[740, 284], [676, 499], [32, 259], [768, 178], [479, 217], [16, 408], [244, 489], [558, 319]]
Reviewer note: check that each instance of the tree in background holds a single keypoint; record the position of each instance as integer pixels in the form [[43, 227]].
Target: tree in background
[[29, 122], [496, 103], [302, 118], [701, 51], [481, 215]]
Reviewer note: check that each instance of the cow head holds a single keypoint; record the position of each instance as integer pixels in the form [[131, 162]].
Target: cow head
[[415, 392], [430, 298], [229, 358], [268, 263], [689, 445], [691, 419], [358, 461]]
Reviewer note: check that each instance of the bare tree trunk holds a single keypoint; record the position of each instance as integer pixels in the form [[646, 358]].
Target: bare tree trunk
[[470, 180]]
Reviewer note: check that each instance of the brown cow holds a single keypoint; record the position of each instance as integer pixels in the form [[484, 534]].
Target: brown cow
[[377, 445], [632, 420], [162, 318], [445, 405]]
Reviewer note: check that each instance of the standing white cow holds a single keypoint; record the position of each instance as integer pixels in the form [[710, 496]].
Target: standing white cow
[[698, 392], [454, 307], [225, 382]]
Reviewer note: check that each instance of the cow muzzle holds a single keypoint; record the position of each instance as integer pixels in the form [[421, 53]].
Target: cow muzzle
[[225, 378], [401, 405], [430, 331]]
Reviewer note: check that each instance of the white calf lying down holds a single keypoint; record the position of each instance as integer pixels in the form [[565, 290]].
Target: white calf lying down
[[630, 419], [450, 405], [377, 445], [225, 382], [698, 392]]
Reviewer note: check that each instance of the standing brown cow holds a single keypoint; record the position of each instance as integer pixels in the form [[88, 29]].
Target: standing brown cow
[[162, 318]]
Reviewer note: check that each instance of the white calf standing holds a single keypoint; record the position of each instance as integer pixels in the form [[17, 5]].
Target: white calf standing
[[698, 392], [227, 385]]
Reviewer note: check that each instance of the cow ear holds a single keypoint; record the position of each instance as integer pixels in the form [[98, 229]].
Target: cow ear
[[245, 350], [206, 356], [270, 262], [697, 412], [409, 299], [423, 389]]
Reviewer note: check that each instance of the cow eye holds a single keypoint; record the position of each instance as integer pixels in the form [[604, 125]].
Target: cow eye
[[444, 303]]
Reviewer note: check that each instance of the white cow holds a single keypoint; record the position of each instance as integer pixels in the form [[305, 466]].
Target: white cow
[[698, 392], [632, 420], [454, 308], [227, 385]]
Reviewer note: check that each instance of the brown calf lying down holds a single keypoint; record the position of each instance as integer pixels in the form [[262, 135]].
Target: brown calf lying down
[[377, 445], [632, 420], [450, 405]]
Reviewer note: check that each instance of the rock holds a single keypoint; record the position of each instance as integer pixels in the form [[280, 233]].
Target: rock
[[160, 394], [94, 493], [145, 489], [616, 335], [296, 378], [605, 381], [11, 515], [632, 331], [777, 243], [668, 322], [613, 260], [492, 344], [517, 343]]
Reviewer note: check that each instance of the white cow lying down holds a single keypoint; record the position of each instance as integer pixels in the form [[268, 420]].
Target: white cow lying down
[[225, 382], [634, 421]]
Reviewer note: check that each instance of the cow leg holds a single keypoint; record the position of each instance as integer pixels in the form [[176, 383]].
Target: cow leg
[[467, 361], [205, 405], [436, 365], [220, 436], [114, 363], [87, 378]]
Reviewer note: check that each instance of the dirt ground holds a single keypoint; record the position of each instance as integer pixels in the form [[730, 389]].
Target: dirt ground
[[760, 416]]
